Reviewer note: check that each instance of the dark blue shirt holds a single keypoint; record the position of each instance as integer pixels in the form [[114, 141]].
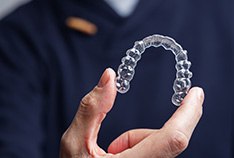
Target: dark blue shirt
[[46, 68]]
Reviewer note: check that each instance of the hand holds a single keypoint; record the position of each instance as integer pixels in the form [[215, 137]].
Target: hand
[[80, 139]]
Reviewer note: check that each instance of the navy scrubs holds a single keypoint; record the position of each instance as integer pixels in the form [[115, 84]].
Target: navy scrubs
[[47, 67]]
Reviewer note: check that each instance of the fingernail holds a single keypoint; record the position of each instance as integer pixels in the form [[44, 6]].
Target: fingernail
[[104, 79], [200, 94]]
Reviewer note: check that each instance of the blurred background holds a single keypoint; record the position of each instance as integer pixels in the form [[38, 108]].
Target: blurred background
[[7, 6]]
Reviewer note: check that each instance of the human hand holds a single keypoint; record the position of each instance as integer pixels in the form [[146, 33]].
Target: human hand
[[80, 139]]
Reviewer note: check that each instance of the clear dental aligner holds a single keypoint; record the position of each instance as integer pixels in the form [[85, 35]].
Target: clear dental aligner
[[126, 70]]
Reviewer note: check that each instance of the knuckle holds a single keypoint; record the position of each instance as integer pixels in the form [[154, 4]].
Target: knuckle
[[63, 141], [66, 145], [70, 147], [178, 142], [87, 103], [66, 141]]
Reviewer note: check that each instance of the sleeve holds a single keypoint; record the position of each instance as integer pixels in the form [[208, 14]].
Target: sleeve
[[21, 97]]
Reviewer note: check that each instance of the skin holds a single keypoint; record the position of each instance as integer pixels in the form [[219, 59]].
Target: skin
[[80, 139]]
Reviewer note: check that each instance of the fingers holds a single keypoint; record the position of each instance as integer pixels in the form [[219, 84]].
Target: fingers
[[174, 137], [96, 104], [93, 108], [188, 114], [128, 140]]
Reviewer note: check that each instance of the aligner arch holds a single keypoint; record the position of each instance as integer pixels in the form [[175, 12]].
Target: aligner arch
[[126, 70]]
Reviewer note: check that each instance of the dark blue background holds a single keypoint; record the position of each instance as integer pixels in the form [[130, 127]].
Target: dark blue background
[[46, 68]]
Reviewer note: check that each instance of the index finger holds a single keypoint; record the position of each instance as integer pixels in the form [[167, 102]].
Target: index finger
[[188, 114]]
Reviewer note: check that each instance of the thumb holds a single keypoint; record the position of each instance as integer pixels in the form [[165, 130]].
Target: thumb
[[93, 108], [95, 105]]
